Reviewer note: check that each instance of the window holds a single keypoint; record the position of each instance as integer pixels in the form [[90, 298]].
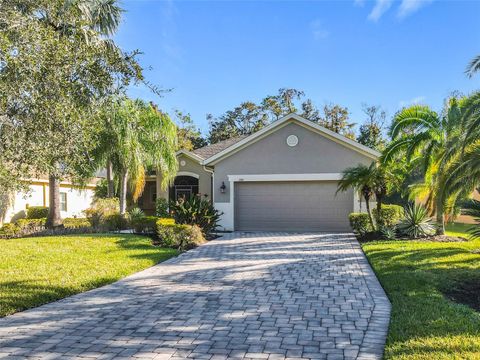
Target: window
[[63, 201]]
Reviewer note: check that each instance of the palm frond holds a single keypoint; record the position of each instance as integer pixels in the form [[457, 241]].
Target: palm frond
[[473, 67], [415, 116]]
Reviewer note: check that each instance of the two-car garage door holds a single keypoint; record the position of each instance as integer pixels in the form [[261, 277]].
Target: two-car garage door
[[291, 206]]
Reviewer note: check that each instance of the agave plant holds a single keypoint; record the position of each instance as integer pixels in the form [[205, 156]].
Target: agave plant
[[472, 208], [388, 232], [416, 222]]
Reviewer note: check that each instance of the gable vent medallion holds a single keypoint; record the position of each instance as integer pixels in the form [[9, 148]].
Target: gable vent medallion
[[292, 140]]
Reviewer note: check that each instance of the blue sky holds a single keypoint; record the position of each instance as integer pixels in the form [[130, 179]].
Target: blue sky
[[216, 54]]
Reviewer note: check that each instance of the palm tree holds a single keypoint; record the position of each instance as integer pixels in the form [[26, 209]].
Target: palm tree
[[421, 135], [360, 178], [137, 136], [464, 151], [472, 208]]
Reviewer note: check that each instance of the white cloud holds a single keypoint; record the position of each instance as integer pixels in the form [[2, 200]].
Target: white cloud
[[408, 7], [381, 6], [359, 3], [414, 101], [318, 31]]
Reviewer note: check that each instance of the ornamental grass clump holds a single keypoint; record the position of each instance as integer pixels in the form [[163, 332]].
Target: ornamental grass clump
[[416, 223]]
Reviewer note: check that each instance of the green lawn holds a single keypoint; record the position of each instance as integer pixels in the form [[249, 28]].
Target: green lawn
[[415, 275], [38, 270]]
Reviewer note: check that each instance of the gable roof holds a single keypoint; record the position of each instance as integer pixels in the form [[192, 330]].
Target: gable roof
[[213, 149], [292, 118]]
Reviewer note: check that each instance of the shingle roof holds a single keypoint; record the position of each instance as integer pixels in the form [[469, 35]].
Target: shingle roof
[[210, 150]]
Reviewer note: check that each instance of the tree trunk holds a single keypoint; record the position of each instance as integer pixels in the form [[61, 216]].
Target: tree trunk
[[54, 219], [440, 218], [123, 191], [110, 184], [379, 198], [369, 212]]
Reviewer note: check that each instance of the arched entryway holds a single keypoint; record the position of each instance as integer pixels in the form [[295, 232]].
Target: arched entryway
[[183, 187]]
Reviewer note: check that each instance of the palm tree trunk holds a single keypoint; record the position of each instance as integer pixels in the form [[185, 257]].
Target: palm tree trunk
[[369, 212], [379, 198], [54, 219], [110, 184], [123, 191], [440, 218]]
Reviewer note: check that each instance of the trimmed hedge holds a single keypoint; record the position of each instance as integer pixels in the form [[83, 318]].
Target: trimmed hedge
[[37, 212], [179, 236], [166, 221], [76, 223], [144, 224], [22, 227], [115, 222], [360, 223], [8, 230], [390, 215]]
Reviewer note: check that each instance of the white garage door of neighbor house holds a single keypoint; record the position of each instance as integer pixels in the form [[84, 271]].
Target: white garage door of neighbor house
[[292, 206]]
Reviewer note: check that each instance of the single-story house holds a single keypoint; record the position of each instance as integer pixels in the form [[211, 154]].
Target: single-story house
[[73, 200], [281, 178]]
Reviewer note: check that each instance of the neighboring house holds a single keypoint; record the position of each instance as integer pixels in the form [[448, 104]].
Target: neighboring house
[[73, 200], [284, 177]]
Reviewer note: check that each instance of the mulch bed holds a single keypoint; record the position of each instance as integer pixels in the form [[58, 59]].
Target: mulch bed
[[443, 238], [466, 292], [436, 238]]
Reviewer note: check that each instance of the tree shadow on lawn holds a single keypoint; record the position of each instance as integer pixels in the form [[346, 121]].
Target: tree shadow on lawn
[[416, 281], [22, 295], [25, 294]]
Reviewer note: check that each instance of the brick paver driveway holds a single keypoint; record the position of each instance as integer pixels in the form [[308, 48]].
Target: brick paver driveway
[[258, 295]]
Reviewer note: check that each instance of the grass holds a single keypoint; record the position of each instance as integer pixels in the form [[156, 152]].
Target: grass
[[38, 270], [425, 324], [457, 229]]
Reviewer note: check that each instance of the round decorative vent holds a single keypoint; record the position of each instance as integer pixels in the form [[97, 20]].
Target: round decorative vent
[[182, 163], [292, 140]]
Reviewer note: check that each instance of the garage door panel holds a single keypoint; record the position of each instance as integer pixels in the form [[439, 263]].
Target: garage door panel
[[291, 206]]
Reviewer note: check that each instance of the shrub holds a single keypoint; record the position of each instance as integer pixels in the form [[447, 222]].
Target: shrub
[[8, 230], [416, 223], [100, 210], [37, 212], [135, 213], [390, 215], [166, 221], [196, 211], [28, 226], [180, 236], [388, 232], [161, 208], [115, 222], [144, 224], [23, 227], [360, 223], [76, 223]]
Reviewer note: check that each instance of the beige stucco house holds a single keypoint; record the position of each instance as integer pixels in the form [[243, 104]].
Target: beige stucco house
[[73, 199], [283, 177]]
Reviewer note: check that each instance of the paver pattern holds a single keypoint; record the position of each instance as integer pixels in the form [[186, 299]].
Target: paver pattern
[[245, 296]]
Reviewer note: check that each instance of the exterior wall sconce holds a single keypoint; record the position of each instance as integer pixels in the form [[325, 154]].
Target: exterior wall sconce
[[223, 188]]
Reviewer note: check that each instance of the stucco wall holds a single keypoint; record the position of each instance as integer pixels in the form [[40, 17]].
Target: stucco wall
[[190, 167], [271, 155], [77, 201]]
